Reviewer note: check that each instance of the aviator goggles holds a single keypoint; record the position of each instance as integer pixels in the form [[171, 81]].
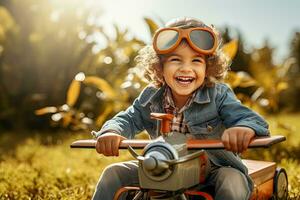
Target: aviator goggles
[[201, 39]]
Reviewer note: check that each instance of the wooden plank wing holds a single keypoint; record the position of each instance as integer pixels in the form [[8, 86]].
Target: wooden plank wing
[[258, 142]]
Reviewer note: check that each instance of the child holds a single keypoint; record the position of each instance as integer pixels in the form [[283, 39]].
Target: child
[[185, 65]]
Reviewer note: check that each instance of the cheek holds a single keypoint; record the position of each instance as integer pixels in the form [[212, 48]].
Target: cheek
[[201, 70], [167, 71]]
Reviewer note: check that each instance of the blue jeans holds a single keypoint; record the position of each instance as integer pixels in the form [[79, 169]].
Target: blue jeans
[[229, 183]]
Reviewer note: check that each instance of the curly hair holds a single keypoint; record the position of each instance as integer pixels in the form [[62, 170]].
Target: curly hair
[[217, 64]]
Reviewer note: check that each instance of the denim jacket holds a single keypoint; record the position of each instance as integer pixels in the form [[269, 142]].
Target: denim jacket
[[212, 111]]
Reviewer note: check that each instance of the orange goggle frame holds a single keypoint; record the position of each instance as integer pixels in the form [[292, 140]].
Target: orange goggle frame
[[201, 39]]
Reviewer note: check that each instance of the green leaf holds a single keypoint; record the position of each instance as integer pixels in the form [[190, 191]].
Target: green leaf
[[73, 92], [66, 119], [46, 110], [230, 48], [240, 79], [151, 25], [233, 79], [103, 116], [282, 85], [246, 79], [102, 85]]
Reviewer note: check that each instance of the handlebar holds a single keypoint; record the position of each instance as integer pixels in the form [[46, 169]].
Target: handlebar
[[192, 144]]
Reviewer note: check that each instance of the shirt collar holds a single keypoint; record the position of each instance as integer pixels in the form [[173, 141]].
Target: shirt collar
[[168, 101]]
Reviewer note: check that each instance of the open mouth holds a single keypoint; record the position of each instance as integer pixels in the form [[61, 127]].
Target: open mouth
[[184, 79]]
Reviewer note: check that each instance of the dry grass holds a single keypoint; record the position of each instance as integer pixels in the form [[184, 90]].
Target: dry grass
[[35, 166]]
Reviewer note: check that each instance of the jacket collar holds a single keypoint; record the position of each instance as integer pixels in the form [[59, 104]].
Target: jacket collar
[[155, 95], [201, 97]]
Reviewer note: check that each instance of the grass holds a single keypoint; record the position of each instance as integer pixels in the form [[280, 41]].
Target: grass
[[42, 166]]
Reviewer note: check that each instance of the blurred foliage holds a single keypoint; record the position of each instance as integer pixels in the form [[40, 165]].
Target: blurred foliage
[[39, 56], [56, 59], [101, 98], [43, 45], [113, 93], [69, 116], [258, 82], [290, 98]]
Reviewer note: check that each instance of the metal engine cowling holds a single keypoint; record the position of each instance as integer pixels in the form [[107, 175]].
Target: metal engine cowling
[[161, 168]]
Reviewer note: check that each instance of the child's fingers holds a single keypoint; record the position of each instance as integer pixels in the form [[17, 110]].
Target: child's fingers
[[117, 143], [225, 140], [98, 147], [108, 147], [237, 139], [233, 141], [240, 143], [247, 140], [101, 146], [108, 144], [115, 147]]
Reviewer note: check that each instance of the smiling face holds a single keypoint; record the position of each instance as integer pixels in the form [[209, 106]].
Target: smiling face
[[184, 72]]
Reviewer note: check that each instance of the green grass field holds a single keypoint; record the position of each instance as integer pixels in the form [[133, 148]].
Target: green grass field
[[34, 166]]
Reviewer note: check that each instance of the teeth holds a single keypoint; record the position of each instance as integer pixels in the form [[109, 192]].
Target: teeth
[[185, 78]]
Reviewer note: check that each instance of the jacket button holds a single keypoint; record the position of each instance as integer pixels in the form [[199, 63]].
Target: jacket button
[[209, 128]]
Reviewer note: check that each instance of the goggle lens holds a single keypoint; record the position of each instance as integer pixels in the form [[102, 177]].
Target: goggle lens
[[202, 39], [166, 39]]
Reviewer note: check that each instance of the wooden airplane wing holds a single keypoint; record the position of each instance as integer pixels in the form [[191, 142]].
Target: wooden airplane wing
[[258, 142]]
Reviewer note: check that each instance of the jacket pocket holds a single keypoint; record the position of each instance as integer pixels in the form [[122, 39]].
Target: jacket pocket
[[211, 127]]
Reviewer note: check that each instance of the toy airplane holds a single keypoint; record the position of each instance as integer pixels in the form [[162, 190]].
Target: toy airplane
[[270, 181]]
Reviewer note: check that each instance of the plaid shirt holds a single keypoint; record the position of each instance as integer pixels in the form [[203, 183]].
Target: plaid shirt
[[178, 124]]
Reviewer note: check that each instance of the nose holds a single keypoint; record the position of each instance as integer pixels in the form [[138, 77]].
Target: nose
[[185, 66]]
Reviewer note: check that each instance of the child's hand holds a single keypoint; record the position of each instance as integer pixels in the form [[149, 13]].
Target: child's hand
[[108, 144], [237, 139]]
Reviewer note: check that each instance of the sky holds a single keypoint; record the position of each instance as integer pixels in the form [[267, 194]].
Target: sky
[[257, 20]]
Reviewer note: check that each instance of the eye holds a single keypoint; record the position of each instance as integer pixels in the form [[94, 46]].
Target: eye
[[174, 60], [198, 60]]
